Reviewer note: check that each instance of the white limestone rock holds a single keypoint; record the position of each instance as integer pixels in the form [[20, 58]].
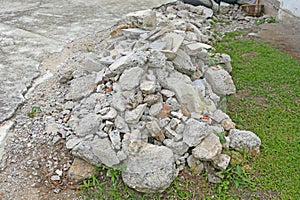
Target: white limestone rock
[[131, 78], [244, 140], [133, 116], [209, 148], [119, 102], [103, 150], [119, 65], [148, 87], [179, 148], [121, 125], [220, 81], [115, 139], [143, 18], [155, 130], [88, 125], [228, 124], [221, 161], [149, 168], [81, 87], [195, 132]]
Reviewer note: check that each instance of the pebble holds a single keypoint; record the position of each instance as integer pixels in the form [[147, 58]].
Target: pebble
[[55, 178]]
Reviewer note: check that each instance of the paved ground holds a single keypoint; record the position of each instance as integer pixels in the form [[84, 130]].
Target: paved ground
[[30, 30]]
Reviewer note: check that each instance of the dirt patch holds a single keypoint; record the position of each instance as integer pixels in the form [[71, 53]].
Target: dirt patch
[[284, 37]]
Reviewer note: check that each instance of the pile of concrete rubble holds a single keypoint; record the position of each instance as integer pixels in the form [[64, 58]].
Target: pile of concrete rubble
[[147, 99]]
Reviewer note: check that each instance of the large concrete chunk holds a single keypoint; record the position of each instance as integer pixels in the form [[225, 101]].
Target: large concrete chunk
[[143, 18], [244, 140], [178, 148], [174, 41], [120, 64], [149, 168], [131, 78], [88, 125], [183, 63], [81, 87], [187, 95], [103, 150], [220, 81]]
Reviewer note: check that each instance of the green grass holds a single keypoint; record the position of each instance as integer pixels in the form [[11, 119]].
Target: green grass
[[267, 103], [34, 111]]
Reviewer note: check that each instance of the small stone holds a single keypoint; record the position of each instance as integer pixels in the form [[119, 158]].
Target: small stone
[[73, 142], [219, 116], [121, 124], [172, 134], [58, 172], [185, 112], [167, 93], [68, 105], [195, 165], [152, 99], [227, 124], [119, 102], [148, 87], [221, 162], [55, 178], [56, 190], [115, 139], [155, 130], [111, 114], [80, 170], [155, 109], [133, 116], [173, 104], [99, 77], [143, 18]]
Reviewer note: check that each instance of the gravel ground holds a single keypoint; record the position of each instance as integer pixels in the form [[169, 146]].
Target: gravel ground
[[35, 153]]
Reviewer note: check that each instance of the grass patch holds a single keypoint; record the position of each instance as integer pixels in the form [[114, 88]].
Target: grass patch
[[267, 103]]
